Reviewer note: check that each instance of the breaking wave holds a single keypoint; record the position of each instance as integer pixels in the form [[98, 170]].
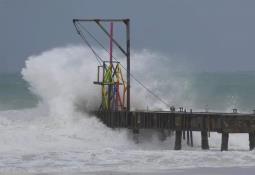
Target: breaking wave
[[59, 135]]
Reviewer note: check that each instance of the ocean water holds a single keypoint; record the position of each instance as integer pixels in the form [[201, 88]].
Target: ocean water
[[45, 128], [14, 93]]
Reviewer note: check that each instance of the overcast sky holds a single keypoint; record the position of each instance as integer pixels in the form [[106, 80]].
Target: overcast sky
[[213, 35]]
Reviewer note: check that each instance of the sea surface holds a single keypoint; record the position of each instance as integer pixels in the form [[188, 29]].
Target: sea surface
[[45, 128]]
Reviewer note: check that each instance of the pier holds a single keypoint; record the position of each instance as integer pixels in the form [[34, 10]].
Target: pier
[[115, 111], [183, 123]]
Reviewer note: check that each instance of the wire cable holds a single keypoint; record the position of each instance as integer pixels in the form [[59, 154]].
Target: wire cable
[[139, 82], [99, 59]]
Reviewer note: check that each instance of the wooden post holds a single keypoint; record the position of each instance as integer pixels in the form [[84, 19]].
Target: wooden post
[[204, 135], [204, 140], [224, 141], [178, 133], [191, 139], [183, 126], [178, 140], [136, 122], [190, 134], [252, 140], [188, 137], [183, 135]]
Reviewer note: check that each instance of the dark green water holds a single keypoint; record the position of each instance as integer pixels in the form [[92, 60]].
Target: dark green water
[[14, 93], [220, 91], [224, 90]]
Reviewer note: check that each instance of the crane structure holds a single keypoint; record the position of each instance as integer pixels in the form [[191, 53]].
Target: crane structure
[[115, 89]]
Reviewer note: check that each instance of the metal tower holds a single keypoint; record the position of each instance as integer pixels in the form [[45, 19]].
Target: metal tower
[[115, 89]]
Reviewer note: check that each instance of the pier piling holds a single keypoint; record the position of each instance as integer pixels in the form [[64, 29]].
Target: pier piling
[[252, 140], [177, 122], [178, 140], [191, 139], [188, 137], [204, 140], [224, 141]]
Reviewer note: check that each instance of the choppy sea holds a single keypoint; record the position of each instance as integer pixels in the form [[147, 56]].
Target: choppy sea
[[44, 127]]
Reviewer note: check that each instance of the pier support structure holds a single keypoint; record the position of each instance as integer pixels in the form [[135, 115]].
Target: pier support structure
[[178, 132], [204, 140], [224, 141], [224, 123], [252, 140], [178, 140]]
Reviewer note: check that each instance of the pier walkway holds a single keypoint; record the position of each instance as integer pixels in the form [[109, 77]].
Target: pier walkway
[[183, 123]]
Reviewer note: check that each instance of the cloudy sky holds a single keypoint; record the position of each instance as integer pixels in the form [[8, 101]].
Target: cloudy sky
[[216, 35]]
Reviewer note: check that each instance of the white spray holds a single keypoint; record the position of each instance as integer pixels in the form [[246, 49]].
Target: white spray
[[59, 136]]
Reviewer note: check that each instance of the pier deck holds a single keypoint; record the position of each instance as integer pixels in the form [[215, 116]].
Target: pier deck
[[182, 122]]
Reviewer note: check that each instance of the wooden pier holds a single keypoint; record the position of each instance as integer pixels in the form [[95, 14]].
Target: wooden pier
[[183, 123], [115, 106]]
